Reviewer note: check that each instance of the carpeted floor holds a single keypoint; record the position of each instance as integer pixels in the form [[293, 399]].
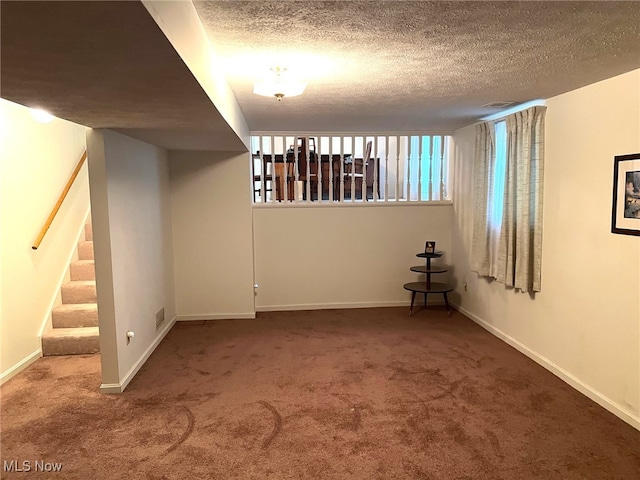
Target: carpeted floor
[[342, 394]]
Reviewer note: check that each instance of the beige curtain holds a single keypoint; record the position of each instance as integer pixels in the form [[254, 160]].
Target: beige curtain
[[520, 247], [516, 258], [484, 162]]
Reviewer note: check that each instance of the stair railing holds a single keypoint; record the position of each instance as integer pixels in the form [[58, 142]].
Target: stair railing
[[63, 195]]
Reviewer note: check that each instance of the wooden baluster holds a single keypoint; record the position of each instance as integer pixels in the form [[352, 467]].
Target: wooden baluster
[[386, 169], [431, 167], [341, 168], [409, 152], [296, 193], [320, 186], [353, 169], [397, 155], [442, 150], [285, 171], [376, 169], [263, 173], [274, 177], [300, 192], [309, 192], [363, 193], [332, 176], [420, 168]]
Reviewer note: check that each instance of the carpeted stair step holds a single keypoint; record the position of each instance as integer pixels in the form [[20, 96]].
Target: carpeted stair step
[[83, 270], [70, 341], [85, 250], [75, 315], [79, 292]]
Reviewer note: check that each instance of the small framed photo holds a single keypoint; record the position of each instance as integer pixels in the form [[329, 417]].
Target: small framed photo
[[430, 247], [625, 217]]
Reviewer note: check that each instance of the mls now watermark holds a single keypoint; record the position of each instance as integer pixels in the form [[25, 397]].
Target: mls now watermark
[[31, 466]]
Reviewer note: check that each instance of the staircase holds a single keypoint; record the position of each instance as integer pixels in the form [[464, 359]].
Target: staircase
[[75, 322]]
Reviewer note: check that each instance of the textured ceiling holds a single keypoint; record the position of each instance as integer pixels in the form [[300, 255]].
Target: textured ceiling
[[395, 65], [370, 66]]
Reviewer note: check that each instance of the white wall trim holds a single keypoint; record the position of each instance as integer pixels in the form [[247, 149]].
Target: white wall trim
[[335, 133], [345, 305], [215, 316], [20, 366], [356, 204], [120, 387], [110, 388], [576, 383]]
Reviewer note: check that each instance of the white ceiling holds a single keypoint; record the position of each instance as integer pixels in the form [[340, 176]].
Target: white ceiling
[[370, 66]]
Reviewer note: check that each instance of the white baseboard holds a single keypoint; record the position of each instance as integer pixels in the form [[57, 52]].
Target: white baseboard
[[329, 306], [20, 366], [119, 387], [215, 316], [111, 388], [300, 306], [567, 377], [336, 306]]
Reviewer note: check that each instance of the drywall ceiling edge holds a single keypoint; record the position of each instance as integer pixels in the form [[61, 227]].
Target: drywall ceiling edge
[[181, 24]]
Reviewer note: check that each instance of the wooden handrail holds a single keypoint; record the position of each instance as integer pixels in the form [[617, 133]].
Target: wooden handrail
[[63, 195]]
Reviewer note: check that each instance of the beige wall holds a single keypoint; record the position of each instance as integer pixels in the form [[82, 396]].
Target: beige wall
[[36, 161], [343, 256], [305, 257], [133, 249], [212, 235], [585, 324]]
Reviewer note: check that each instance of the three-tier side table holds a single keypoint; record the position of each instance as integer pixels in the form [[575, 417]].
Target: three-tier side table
[[428, 286]]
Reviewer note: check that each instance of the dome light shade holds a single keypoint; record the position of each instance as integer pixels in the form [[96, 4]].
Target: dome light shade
[[279, 84], [41, 116]]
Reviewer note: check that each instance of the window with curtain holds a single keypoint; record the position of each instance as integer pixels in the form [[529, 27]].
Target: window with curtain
[[508, 174]]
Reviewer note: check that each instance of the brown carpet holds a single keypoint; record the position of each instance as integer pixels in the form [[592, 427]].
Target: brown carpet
[[344, 394]]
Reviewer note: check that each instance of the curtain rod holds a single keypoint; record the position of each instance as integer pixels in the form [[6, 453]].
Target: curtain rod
[[518, 108]]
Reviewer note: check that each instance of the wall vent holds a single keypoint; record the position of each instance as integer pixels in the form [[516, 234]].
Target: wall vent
[[159, 318]]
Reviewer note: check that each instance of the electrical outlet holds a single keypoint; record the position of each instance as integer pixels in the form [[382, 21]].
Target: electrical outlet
[[159, 317]]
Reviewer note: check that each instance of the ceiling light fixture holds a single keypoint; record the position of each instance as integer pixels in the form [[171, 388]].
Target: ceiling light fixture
[[41, 116], [279, 84]]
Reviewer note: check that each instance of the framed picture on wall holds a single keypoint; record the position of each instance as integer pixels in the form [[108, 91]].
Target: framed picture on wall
[[625, 217]]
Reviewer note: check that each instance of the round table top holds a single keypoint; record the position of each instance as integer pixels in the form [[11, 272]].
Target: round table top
[[434, 287], [429, 255], [423, 269]]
